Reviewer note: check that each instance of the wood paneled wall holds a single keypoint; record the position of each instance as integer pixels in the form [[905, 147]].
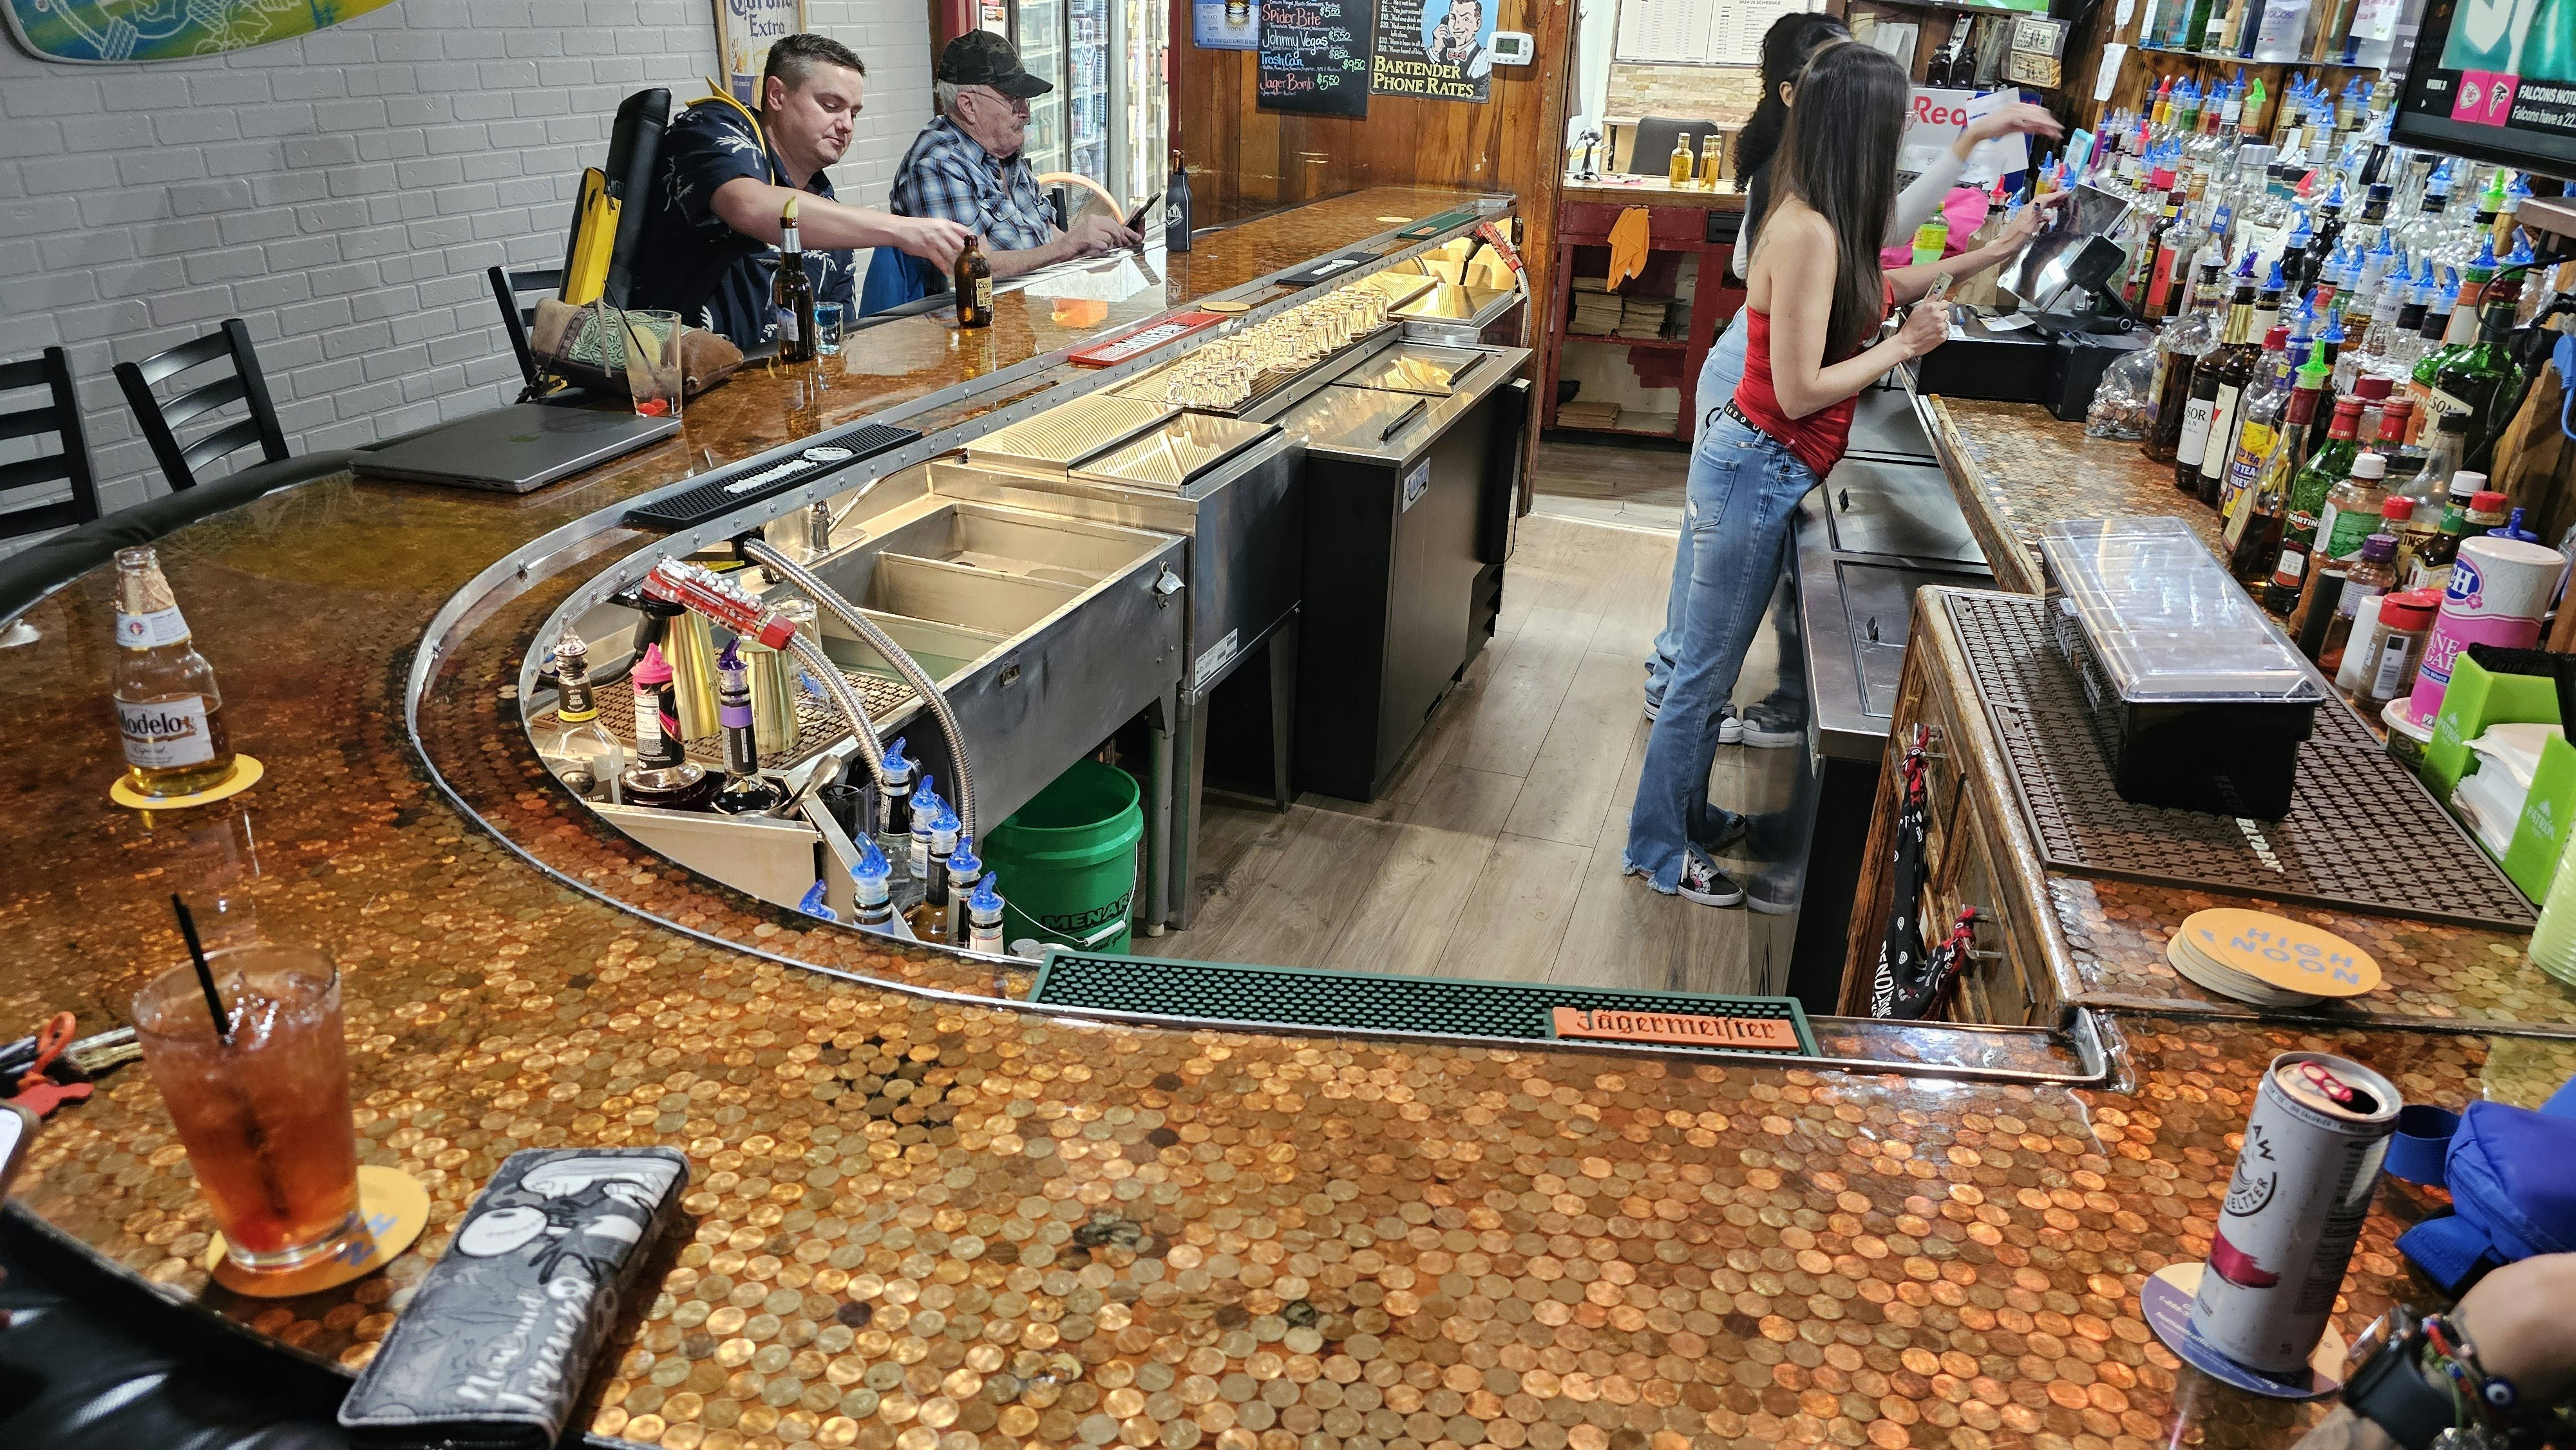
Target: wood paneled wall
[[1244, 160]]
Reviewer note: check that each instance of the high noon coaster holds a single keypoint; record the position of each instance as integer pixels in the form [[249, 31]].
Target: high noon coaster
[[2258, 957]]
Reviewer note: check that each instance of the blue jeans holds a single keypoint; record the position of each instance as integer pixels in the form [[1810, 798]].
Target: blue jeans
[[1744, 485], [1718, 375]]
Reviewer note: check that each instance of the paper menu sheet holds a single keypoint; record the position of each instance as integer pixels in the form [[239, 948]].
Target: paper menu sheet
[[1700, 32], [1934, 118]]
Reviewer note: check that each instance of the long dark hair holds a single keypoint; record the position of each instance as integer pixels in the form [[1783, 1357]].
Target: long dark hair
[[1785, 48], [1838, 155]]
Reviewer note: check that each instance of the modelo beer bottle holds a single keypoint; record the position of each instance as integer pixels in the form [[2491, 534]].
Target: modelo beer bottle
[[168, 707]]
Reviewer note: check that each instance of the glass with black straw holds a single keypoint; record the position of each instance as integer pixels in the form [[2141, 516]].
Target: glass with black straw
[[245, 1045]]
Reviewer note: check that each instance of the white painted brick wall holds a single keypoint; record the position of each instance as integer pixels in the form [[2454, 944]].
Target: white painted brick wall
[[344, 192]]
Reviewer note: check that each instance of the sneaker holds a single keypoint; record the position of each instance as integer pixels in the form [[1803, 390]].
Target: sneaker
[[1704, 883], [1727, 835], [1768, 728], [1729, 732], [1772, 895]]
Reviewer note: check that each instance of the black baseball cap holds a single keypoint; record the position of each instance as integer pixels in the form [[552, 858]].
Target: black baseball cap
[[981, 58]]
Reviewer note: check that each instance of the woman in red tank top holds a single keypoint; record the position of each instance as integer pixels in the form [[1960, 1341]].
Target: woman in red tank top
[[1816, 294]]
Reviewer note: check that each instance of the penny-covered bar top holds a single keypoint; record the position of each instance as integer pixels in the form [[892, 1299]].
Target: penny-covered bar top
[[925, 1214]]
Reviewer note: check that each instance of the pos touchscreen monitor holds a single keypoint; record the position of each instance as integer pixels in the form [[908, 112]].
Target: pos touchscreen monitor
[[2493, 80], [2040, 278]]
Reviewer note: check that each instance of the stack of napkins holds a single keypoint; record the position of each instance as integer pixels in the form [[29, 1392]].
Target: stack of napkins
[[1597, 312], [1643, 318], [1587, 415], [2490, 798]]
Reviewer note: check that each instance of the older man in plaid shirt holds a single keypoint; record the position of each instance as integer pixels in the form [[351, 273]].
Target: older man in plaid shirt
[[967, 166]]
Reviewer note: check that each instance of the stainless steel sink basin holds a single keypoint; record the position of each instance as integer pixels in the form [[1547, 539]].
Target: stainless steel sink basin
[[1045, 633]]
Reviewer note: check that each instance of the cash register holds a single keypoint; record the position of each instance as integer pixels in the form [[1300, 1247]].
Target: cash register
[[2063, 322]]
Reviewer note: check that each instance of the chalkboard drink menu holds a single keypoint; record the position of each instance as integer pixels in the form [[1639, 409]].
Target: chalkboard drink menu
[[1315, 56]]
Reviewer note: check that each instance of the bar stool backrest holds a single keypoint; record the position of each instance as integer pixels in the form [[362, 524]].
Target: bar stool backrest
[[55, 410], [243, 384], [508, 286]]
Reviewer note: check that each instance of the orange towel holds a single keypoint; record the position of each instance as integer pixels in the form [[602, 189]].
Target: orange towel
[[1628, 237]]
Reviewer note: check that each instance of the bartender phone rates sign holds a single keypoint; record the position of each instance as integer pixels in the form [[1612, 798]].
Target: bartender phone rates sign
[[1439, 50], [1315, 56]]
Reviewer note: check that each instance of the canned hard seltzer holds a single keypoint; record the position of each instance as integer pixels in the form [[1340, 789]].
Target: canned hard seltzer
[[2302, 1186]]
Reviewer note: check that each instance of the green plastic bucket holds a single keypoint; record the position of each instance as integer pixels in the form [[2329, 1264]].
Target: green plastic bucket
[[1067, 860]]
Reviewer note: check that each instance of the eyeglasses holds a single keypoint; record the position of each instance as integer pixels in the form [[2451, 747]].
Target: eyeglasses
[[1015, 105]]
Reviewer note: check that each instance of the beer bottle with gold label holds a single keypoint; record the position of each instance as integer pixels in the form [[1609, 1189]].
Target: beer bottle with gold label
[[167, 705], [793, 291], [974, 280]]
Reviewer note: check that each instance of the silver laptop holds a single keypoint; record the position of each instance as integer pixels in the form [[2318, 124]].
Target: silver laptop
[[515, 449]]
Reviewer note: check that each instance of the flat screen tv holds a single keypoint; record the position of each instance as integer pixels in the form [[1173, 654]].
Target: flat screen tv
[[2494, 80]]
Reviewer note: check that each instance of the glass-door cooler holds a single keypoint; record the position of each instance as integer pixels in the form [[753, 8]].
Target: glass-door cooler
[[1105, 117]]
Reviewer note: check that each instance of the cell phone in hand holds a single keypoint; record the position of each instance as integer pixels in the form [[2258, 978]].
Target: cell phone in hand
[[1136, 219], [1940, 288]]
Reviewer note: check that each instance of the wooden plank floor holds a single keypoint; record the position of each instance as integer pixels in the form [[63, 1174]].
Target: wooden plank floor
[[1497, 852], [1625, 485]]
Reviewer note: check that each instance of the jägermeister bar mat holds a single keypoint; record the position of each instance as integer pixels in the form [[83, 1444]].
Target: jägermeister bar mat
[[496, 1346], [246, 773]]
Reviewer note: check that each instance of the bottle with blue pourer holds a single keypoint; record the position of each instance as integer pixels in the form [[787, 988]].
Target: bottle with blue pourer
[[930, 918], [894, 802], [965, 870], [984, 918], [925, 817], [872, 883]]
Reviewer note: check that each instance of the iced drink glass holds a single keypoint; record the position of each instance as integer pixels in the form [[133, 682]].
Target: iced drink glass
[[654, 374], [265, 1118]]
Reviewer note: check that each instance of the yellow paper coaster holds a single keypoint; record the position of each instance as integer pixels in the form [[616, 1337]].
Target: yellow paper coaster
[[246, 773], [392, 1210], [2279, 952]]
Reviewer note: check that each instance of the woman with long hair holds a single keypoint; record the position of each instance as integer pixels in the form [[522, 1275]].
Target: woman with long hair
[[1786, 49], [1815, 294]]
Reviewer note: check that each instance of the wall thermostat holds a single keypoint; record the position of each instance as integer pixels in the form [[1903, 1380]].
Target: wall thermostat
[[1510, 47]]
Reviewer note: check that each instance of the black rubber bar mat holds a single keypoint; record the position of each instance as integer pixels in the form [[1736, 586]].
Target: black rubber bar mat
[[2361, 833]]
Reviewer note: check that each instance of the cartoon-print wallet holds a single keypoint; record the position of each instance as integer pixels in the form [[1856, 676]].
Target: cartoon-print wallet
[[495, 1348]]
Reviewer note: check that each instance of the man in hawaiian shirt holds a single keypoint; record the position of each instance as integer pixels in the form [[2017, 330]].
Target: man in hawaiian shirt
[[710, 242], [967, 165]]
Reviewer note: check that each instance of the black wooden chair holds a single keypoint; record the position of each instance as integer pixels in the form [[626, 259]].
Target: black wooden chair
[[43, 567], [244, 384], [508, 287], [57, 412]]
